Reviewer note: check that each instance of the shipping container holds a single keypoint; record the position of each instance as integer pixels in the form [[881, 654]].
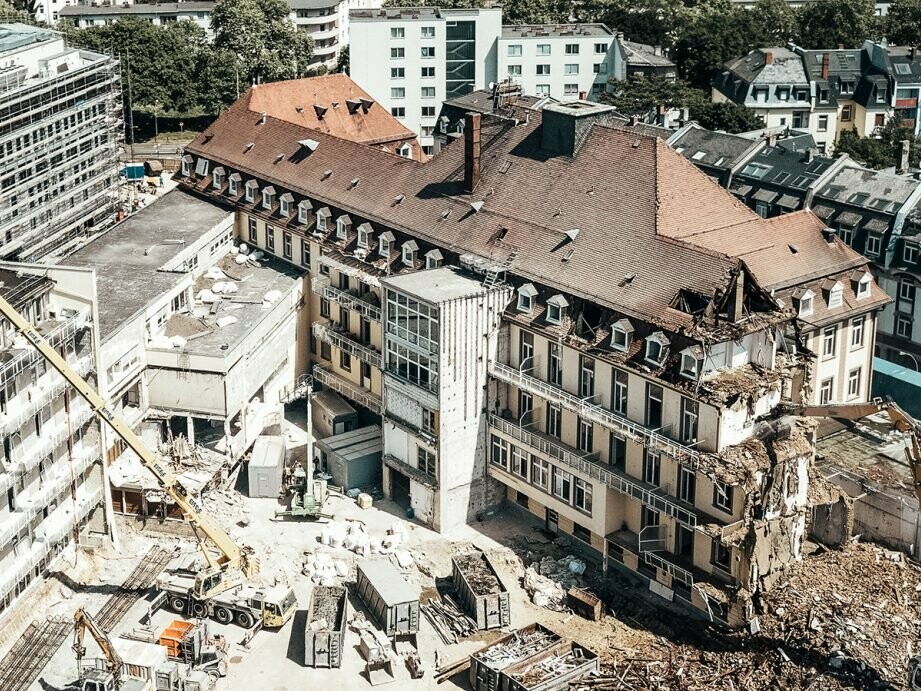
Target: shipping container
[[267, 466], [487, 664], [480, 590], [324, 636], [392, 601], [551, 669], [584, 603]]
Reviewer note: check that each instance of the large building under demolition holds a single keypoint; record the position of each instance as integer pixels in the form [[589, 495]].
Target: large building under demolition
[[51, 484], [568, 317], [60, 121]]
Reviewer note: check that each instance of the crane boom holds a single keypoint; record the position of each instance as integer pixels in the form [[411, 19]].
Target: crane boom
[[232, 556]]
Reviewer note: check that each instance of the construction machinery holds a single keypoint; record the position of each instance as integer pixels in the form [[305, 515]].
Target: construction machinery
[[306, 497], [220, 590], [107, 679]]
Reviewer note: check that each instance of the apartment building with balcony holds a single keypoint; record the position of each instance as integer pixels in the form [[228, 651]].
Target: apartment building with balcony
[[604, 352], [95, 13], [327, 22], [60, 123], [52, 481]]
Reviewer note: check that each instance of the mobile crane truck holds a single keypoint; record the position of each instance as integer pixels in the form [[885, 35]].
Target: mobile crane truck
[[221, 590]]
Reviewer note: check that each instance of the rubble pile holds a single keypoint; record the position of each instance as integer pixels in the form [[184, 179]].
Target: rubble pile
[[548, 580]]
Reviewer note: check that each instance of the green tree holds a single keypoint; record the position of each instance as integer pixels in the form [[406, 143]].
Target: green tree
[[727, 116], [217, 78], [640, 95], [882, 151], [656, 22], [903, 23], [342, 62], [716, 33], [267, 45], [775, 23], [830, 23]]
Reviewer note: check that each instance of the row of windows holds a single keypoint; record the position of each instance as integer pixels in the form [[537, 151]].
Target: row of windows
[[400, 53], [569, 69], [827, 386], [398, 32], [830, 337], [515, 50], [287, 242]]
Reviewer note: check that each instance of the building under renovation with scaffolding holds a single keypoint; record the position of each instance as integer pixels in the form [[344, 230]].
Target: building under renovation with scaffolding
[[51, 475], [60, 123]]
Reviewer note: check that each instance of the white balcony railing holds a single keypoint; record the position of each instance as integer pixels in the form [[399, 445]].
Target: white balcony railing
[[585, 464], [346, 342], [27, 354], [348, 389], [590, 411], [322, 287]]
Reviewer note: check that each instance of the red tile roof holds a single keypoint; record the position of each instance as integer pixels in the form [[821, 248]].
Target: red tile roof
[[293, 102]]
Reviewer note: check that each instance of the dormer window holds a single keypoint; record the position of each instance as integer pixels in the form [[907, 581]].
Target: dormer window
[[621, 335], [692, 362], [201, 167], [217, 178], [268, 197], [364, 236], [433, 259], [526, 295], [186, 165], [304, 208], [383, 247], [410, 249], [556, 308], [233, 184], [323, 216], [835, 295], [861, 282], [343, 226], [803, 300], [655, 348], [284, 204], [910, 253], [251, 187], [406, 151]]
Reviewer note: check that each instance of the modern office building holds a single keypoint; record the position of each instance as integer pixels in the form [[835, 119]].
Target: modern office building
[[60, 124]]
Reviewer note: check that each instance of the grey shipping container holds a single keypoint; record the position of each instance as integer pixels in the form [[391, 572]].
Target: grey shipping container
[[267, 466], [480, 590], [324, 635], [546, 671], [392, 601], [487, 664]]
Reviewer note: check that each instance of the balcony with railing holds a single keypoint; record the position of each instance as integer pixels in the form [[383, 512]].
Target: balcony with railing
[[587, 464], [23, 354], [648, 547], [594, 412], [321, 286], [347, 389], [54, 433], [346, 342]]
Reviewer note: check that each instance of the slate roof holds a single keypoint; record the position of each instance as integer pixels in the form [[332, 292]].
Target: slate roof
[[642, 209], [719, 148], [642, 55], [786, 67]]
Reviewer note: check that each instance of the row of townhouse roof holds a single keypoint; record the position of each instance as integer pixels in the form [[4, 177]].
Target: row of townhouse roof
[[878, 213], [825, 92]]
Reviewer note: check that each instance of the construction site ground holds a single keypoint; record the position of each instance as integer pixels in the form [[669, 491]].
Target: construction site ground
[[840, 619]]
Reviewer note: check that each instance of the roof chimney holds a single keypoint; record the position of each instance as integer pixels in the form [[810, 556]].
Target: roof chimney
[[634, 120], [471, 152], [582, 95], [825, 59], [810, 155], [913, 52], [904, 152], [657, 50], [320, 110], [262, 118], [772, 139], [353, 104], [829, 235], [768, 57]]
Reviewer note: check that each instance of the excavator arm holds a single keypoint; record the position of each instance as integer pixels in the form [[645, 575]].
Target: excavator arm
[[231, 556], [901, 420], [84, 621]]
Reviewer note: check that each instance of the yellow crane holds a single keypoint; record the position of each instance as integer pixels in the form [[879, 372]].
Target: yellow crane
[[108, 679], [219, 590]]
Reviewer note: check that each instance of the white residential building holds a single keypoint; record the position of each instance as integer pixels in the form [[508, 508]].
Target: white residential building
[[58, 154], [96, 13], [412, 59], [327, 22], [563, 61]]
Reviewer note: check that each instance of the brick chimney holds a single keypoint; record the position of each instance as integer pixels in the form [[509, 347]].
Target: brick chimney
[[913, 52], [768, 57], [825, 59], [471, 152], [903, 158]]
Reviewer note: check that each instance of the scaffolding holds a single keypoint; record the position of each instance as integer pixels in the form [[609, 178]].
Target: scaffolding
[[60, 131]]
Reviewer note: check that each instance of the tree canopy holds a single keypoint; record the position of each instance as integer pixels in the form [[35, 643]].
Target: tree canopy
[[830, 23], [882, 151], [268, 47], [727, 116], [903, 23]]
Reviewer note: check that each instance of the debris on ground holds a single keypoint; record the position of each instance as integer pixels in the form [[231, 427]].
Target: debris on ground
[[548, 581]]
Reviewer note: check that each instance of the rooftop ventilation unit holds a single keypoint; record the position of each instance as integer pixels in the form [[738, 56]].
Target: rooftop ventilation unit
[[572, 234], [279, 158], [299, 109], [445, 214], [354, 183], [476, 206], [262, 118], [326, 174], [353, 104], [399, 198], [309, 144], [319, 110], [249, 146]]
